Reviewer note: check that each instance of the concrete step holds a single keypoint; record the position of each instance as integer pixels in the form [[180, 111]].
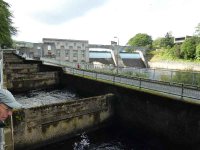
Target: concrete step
[[22, 75], [13, 61], [25, 82], [11, 58], [21, 68], [37, 75], [27, 85]]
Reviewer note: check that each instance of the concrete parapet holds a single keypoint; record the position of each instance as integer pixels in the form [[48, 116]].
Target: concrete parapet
[[41, 125]]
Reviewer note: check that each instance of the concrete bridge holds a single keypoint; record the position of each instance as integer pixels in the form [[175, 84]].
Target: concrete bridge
[[169, 111]]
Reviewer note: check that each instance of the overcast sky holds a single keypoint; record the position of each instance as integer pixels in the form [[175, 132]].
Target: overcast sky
[[99, 21]]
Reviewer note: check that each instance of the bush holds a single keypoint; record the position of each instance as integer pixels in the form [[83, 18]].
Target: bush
[[188, 48], [198, 52]]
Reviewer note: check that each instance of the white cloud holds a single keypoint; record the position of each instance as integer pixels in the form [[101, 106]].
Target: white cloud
[[100, 22]]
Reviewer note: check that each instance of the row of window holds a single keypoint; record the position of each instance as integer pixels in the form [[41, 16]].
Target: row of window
[[67, 53], [67, 44], [49, 47]]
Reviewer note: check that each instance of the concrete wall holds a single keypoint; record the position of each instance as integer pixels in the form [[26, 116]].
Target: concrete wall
[[41, 125], [174, 120], [33, 81], [21, 76]]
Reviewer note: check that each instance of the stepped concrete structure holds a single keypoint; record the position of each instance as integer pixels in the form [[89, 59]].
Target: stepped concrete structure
[[21, 75]]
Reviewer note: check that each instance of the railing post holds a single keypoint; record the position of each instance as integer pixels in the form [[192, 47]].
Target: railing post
[[182, 90], [193, 78], [96, 75], [140, 83], [171, 76], [113, 79]]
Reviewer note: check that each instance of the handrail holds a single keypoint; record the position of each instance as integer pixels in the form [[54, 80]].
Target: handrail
[[176, 89], [149, 73]]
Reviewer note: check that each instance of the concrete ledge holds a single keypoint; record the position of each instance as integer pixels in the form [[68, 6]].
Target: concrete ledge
[[41, 125]]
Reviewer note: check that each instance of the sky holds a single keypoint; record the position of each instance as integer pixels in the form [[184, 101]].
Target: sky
[[99, 21]]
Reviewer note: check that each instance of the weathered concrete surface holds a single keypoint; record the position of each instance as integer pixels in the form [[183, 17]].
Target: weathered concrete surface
[[21, 75], [174, 120], [22, 83], [38, 126], [11, 59], [22, 68]]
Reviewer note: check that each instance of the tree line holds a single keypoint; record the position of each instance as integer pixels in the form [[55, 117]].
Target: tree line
[[6, 25], [189, 49]]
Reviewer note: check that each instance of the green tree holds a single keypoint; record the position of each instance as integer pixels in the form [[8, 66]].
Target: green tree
[[157, 43], [175, 51], [167, 41], [188, 48], [198, 52], [141, 39], [6, 28]]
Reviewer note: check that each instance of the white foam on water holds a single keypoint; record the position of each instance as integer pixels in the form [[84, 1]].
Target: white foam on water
[[40, 98], [83, 144]]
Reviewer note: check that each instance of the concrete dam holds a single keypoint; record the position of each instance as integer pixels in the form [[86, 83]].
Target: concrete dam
[[98, 104]]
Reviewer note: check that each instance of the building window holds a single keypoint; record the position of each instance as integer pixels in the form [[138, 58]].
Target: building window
[[62, 47], [58, 53], [82, 53], [79, 48], [83, 45], [67, 53], [49, 47], [71, 48], [75, 53], [74, 44], [38, 47]]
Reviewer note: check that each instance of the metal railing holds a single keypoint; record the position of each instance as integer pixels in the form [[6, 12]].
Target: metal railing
[[185, 77], [177, 76], [180, 90]]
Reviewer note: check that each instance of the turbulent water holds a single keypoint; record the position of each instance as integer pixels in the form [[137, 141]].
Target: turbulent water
[[45, 97], [111, 138]]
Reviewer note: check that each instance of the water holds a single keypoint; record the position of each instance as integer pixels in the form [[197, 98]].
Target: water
[[111, 138], [45, 97]]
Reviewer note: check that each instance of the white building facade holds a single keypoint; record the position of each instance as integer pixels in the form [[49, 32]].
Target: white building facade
[[66, 50]]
